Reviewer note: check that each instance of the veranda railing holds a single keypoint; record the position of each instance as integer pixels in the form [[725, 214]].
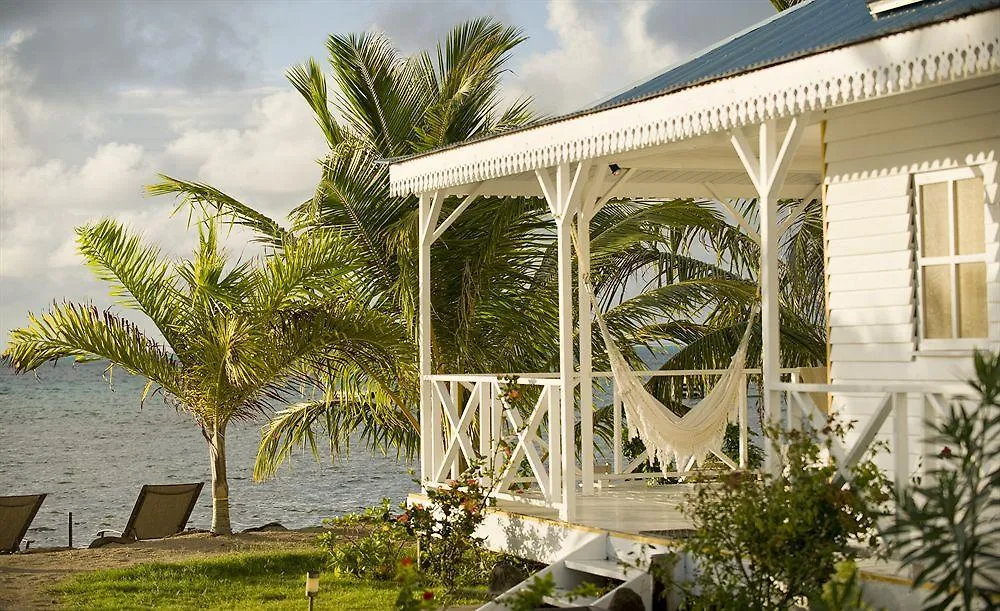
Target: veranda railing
[[893, 402], [473, 420]]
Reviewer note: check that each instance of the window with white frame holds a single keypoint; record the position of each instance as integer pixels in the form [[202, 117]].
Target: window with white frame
[[951, 258]]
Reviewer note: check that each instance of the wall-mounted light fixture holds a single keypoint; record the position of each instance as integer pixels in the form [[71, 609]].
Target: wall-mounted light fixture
[[615, 169]]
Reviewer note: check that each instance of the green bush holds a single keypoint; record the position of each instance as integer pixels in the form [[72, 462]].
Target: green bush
[[948, 524], [369, 545], [533, 595], [842, 592], [765, 541]]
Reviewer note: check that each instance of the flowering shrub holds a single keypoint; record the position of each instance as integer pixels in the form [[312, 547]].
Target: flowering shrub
[[369, 545], [511, 390], [412, 596], [449, 551]]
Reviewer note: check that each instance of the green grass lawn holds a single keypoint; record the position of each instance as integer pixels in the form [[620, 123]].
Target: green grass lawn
[[273, 580]]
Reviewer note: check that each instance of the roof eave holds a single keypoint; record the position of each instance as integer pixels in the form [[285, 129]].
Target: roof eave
[[949, 51]]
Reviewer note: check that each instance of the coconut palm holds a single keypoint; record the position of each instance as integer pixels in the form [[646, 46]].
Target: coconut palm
[[238, 336], [489, 268]]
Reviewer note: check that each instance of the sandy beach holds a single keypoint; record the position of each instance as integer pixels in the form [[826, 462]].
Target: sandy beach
[[26, 578]]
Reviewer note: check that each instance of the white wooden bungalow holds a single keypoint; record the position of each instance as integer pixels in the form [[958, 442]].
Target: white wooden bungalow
[[887, 110]]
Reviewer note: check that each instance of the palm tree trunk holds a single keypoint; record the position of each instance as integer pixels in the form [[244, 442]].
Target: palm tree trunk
[[220, 485]]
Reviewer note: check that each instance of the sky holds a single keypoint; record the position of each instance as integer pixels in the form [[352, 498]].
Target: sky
[[99, 96]]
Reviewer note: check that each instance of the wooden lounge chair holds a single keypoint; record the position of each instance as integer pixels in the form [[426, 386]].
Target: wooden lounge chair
[[160, 511], [16, 514]]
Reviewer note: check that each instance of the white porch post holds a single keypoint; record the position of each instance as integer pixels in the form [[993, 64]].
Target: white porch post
[[562, 192], [767, 167], [567, 394], [769, 307], [586, 354], [429, 208]]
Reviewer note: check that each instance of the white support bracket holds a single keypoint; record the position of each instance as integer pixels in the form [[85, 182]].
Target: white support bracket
[[765, 165], [428, 224], [613, 191], [733, 212], [457, 212]]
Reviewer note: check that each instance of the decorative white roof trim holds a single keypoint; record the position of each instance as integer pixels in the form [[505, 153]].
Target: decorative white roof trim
[[908, 61]]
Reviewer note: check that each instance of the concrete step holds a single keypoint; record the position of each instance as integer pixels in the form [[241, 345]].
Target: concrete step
[[612, 569], [562, 599]]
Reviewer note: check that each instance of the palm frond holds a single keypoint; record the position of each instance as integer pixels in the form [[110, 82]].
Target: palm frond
[[198, 197], [309, 266], [340, 421], [309, 81], [138, 275], [373, 93], [82, 332], [465, 84]]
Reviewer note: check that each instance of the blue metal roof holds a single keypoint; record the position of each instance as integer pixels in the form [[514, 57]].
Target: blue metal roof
[[806, 29]]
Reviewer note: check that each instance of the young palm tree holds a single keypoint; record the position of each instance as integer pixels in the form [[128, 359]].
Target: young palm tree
[[237, 336]]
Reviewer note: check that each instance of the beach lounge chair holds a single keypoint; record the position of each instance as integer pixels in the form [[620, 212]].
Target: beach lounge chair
[[160, 511], [16, 514]]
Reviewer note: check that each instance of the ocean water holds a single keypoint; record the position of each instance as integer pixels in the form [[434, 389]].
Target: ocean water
[[67, 433]]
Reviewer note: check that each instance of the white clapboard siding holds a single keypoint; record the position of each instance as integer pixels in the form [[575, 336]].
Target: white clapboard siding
[[870, 209], [891, 242], [853, 317], [946, 157], [954, 106], [868, 191], [857, 228], [861, 280], [871, 333], [873, 352], [906, 139], [886, 261], [871, 153], [876, 298]]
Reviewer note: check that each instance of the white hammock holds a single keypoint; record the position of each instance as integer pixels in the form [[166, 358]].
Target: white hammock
[[665, 434]]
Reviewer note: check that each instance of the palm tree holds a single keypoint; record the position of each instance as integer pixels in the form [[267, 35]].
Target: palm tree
[[490, 277], [237, 336]]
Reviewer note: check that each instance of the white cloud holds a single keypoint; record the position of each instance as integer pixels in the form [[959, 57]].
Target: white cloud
[[273, 155], [599, 48], [266, 160]]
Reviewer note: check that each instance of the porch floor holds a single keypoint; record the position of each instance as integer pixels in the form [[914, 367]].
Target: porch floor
[[634, 509]]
